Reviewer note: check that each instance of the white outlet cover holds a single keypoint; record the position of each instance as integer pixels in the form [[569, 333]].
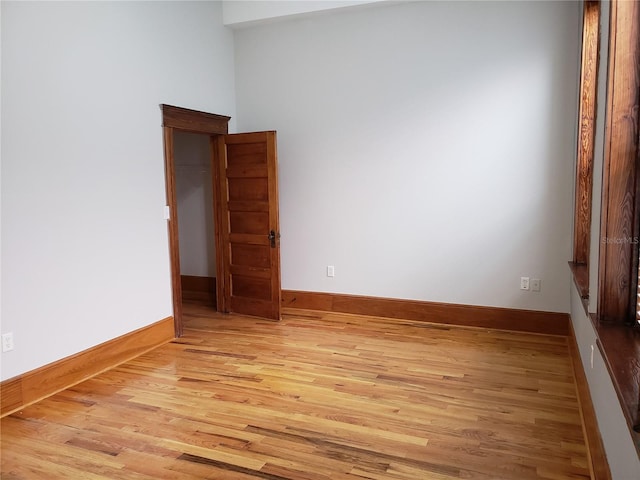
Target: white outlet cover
[[7, 342]]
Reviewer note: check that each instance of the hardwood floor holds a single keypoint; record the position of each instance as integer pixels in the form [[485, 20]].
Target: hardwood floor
[[315, 396]]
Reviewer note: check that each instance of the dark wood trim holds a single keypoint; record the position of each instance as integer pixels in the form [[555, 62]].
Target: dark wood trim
[[634, 301], [199, 288], [172, 226], [619, 221], [619, 346], [274, 225], [586, 132], [11, 395], [194, 121], [581, 281], [445, 313], [598, 463], [221, 286], [194, 283], [30, 387]]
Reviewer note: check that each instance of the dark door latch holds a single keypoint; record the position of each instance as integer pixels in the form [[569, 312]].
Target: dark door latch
[[273, 236]]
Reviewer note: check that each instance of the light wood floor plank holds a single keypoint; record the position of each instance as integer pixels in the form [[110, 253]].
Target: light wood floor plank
[[316, 396]]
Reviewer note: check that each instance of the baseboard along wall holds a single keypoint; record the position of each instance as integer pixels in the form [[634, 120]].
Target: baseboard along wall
[[198, 288], [447, 313], [599, 465], [30, 387]]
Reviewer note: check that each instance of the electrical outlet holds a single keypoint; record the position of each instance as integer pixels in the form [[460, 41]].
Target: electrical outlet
[[331, 271], [7, 342], [524, 283], [536, 283]]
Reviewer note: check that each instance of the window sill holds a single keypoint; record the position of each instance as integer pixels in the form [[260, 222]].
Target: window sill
[[581, 279], [620, 349]]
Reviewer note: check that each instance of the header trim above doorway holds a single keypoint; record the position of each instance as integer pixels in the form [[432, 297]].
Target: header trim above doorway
[[194, 120]]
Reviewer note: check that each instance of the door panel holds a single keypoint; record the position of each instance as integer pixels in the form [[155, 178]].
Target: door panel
[[252, 287], [249, 213], [250, 255], [246, 153], [249, 222], [248, 189]]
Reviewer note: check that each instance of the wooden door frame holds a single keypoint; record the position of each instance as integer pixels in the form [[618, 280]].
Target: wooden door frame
[[212, 125]]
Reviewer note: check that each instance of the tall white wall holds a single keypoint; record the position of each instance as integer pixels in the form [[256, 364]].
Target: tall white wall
[[194, 192], [426, 148], [84, 243]]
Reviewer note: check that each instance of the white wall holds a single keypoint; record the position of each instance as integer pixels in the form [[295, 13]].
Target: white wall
[[426, 149], [194, 192], [623, 459], [242, 13], [84, 244]]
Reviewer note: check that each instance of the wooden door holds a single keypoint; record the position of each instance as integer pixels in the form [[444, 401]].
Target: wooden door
[[249, 226]]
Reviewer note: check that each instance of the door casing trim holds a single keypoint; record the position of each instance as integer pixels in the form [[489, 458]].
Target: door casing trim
[[192, 121]]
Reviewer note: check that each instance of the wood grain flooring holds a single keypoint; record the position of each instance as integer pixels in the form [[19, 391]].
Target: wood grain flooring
[[316, 396]]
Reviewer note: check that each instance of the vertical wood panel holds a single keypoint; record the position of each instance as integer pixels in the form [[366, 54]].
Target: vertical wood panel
[[619, 224], [218, 219], [172, 225], [638, 297], [586, 131], [274, 221]]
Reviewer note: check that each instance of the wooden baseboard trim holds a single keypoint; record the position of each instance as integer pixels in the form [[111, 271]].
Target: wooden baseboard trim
[[194, 283], [30, 387], [598, 463], [446, 313], [198, 288]]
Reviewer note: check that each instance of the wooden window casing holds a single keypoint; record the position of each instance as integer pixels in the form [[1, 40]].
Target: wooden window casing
[[586, 142], [617, 320], [587, 107], [638, 298], [620, 216], [618, 335]]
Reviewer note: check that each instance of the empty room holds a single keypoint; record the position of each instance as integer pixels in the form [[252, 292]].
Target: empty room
[[320, 240]]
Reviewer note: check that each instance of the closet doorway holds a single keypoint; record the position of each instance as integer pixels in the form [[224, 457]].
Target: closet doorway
[[243, 176], [196, 229]]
